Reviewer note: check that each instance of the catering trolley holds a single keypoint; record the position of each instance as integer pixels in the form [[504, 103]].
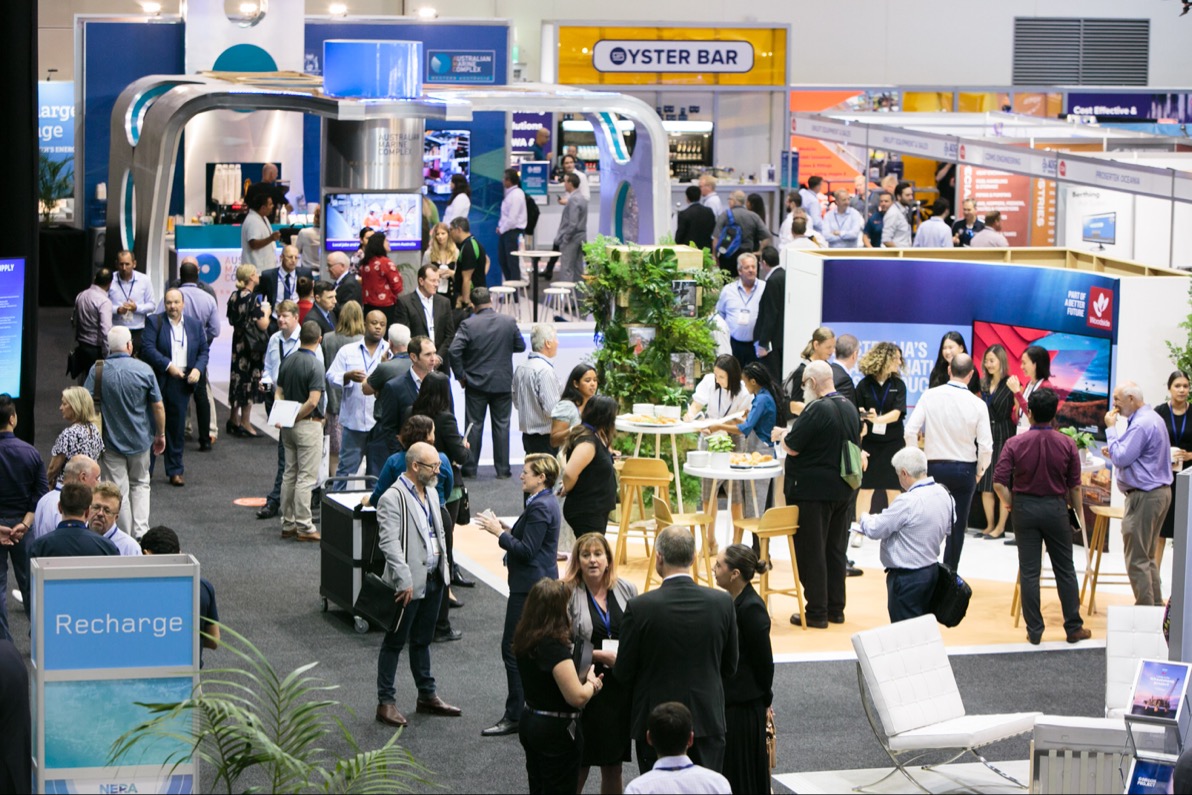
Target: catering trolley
[[349, 532]]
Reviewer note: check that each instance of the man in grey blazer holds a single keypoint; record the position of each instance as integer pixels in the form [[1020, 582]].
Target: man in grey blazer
[[410, 525], [573, 231], [482, 360]]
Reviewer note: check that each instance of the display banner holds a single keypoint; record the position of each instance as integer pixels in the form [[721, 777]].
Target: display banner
[[473, 67], [525, 128], [1107, 174], [110, 634], [1009, 194], [56, 119], [12, 323], [535, 177], [611, 55], [1167, 107]]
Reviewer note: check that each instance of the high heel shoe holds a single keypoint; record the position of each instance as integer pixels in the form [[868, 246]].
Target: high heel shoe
[[994, 536]]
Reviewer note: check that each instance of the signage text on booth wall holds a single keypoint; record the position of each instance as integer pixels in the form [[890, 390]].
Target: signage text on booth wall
[[631, 55]]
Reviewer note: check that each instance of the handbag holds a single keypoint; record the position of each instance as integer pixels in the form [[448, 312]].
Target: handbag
[[771, 740], [464, 514], [376, 601], [851, 469], [951, 598]]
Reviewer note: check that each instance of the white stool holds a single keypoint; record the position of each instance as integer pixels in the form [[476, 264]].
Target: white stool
[[572, 298], [503, 299], [521, 287], [555, 300]]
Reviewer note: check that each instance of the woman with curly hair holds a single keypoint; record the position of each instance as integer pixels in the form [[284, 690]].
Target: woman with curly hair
[[881, 398]]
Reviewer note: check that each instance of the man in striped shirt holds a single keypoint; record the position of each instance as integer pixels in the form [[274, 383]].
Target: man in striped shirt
[[536, 390]]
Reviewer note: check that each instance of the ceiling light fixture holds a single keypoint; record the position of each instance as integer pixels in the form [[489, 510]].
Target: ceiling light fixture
[[426, 12], [151, 8], [338, 9], [248, 9]]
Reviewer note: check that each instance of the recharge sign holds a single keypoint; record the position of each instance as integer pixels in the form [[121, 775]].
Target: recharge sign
[[56, 119], [630, 55]]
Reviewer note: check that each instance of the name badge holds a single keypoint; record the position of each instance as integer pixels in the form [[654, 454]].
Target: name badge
[[610, 645], [743, 316], [879, 429]]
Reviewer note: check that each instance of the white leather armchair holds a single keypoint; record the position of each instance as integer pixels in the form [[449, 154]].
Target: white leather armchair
[[1133, 633]]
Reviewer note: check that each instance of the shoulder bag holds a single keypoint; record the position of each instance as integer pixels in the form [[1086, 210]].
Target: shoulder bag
[[376, 601], [951, 597], [851, 469]]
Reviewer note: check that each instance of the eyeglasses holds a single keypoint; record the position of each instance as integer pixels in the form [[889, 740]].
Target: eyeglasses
[[435, 467], [104, 510]]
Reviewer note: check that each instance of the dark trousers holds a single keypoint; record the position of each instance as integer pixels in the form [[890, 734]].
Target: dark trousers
[[516, 697], [706, 751], [538, 443], [821, 550], [377, 449], [19, 553], [176, 393], [443, 624], [552, 753], [743, 351], [275, 495], [960, 479], [476, 406], [417, 626], [773, 363], [909, 591], [510, 268], [86, 356], [1039, 521], [137, 334]]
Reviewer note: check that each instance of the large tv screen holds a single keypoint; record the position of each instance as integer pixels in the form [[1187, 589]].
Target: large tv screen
[[444, 153], [1099, 228], [1080, 368], [399, 215]]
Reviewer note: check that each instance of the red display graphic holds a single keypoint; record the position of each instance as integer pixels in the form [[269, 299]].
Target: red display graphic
[[1100, 308]]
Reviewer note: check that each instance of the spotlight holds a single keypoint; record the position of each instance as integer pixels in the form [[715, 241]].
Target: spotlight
[[151, 8], [426, 12], [248, 9], [338, 9]]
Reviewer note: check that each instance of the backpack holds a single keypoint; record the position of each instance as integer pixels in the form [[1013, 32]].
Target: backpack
[[532, 214], [730, 239]]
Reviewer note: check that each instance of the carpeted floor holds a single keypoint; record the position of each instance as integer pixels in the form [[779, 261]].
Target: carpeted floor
[[268, 589]]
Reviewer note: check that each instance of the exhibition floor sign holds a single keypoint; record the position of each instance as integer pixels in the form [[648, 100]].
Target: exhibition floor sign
[[110, 634]]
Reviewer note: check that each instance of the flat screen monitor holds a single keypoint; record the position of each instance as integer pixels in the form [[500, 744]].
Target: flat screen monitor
[[1159, 690], [1080, 368], [1100, 228], [399, 215], [1149, 777], [444, 154]]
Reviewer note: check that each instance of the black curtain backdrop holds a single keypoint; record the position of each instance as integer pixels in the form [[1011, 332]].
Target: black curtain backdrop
[[18, 199]]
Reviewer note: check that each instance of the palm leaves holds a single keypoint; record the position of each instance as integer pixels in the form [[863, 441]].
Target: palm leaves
[[251, 718]]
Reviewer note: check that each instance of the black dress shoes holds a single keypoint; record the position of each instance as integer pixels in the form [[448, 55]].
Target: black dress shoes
[[459, 580], [447, 636], [813, 623], [268, 511], [454, 603], [503, 727]]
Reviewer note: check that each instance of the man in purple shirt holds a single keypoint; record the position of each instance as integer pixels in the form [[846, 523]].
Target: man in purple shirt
[[1142, 456], [1038, 474]]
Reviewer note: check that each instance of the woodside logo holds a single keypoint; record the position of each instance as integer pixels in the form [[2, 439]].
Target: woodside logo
[[1100, 308], [630, 55]]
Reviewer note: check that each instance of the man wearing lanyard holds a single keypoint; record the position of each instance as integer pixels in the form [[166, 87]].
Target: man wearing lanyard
[[957, 441], [410, 536], [1142, 455], [670, 734], [427, 313], [302, 377], [351, 366], [536, 389], [132, 298], [738, 306], [843, 227]]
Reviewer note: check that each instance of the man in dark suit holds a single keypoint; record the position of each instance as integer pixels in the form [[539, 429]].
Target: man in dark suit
[[770, 329], [175, 346], [281, 284], [323, 311], [347, 286], [679, 643], [394, 402], [696, 222], [428, 314]]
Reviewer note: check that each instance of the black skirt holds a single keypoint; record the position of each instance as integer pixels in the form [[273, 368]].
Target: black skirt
[[880, 474], [746, 762], [606, 726]]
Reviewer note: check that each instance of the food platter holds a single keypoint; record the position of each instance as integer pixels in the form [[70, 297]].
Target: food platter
[[751, 461]]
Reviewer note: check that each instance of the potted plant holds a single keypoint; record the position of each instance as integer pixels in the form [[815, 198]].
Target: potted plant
[[721, 446], [55, 180], [1084, 442]]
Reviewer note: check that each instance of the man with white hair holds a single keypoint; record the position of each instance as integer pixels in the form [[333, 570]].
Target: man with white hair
[[126, 392], [814, 485], [536, 389], [79, 469], [911, 530], [738, 305], [842, 228], [708, 196], [1141, 454], [347, 286]]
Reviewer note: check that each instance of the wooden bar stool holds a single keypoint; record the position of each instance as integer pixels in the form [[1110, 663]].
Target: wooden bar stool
[[775, 523], [638, 474], [1092, 572], [698, 523]]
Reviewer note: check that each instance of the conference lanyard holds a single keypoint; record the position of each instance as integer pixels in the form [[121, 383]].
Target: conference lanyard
[[1183, 424], [177, 343], [608, 629], [741, 291], [285, 354], [430, 525], [374, 360], [881, 404], [131, 287]]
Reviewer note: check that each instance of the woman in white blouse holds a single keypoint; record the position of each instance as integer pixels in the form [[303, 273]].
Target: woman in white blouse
[[461, 199]]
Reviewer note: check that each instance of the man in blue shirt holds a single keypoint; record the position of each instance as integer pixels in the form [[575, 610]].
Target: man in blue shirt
[[842, 227], [131, 295], [1141, 454], [738, 305], [72, 537], [23, 475], [873, 227]]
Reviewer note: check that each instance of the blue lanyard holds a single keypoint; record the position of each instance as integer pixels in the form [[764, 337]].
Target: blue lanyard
[[291, 342], [881, 404], [746, 301], [131, 287], [426, 508], [608, 629], [1177, 435], [376, 359], [173, 339]]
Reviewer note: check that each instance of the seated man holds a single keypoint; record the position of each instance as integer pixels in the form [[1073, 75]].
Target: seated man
[[911, 531], [669, 731]]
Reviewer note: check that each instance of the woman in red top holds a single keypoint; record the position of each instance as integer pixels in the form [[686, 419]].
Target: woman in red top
[[379, 278]]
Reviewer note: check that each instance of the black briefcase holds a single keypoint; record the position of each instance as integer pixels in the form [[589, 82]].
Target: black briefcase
[[951, 599], [376, 602]]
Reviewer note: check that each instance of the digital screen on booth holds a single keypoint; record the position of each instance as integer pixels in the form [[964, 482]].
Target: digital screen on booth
[[1080, 368], [1099, 228], [444, 154], [399, 215], [12, 324]]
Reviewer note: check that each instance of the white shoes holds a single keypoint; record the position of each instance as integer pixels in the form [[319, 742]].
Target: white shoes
[[16, 594]]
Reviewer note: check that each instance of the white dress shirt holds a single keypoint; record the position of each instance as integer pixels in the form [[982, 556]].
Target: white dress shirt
[[355, 408], [895, 228], [713, 203], [281, 347], [136, 289], [47, 516], [955, 426], [843, 229], [739, 308], [178, 344], [513, 210], [813, 208], [428, 309], [459, 207], [680, 775], [989, 238], [719, 403], [914, 527], [934, 233], [257, 228]]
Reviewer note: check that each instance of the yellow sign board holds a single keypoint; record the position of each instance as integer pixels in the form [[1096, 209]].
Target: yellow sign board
[[655, 56]]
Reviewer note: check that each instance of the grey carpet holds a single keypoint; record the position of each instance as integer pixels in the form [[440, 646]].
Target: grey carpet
[[268, 589]]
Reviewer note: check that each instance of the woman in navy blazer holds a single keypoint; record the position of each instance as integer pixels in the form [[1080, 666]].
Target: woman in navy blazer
[[530, 548]]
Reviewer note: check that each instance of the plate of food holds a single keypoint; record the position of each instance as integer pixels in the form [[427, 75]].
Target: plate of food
[[646, 421], [751, 460]]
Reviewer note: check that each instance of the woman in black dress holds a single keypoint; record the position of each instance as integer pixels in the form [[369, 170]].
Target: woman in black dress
[[1175, 416], [589, 480], [550, 729], [598, 601], [245, 380], [995, 391], [881, 397], [748, 695], [951, 344]]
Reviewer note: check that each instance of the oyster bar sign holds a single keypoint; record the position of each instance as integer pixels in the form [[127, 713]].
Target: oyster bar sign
[[631, 55]]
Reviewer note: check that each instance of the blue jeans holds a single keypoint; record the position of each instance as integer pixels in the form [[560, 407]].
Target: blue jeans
[[351, 452], [417, 625], [909, 591], [960, 479]]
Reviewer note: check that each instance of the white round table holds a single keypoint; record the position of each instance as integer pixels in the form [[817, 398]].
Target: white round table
[[535, 255], [672, 430], [751, 474]]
